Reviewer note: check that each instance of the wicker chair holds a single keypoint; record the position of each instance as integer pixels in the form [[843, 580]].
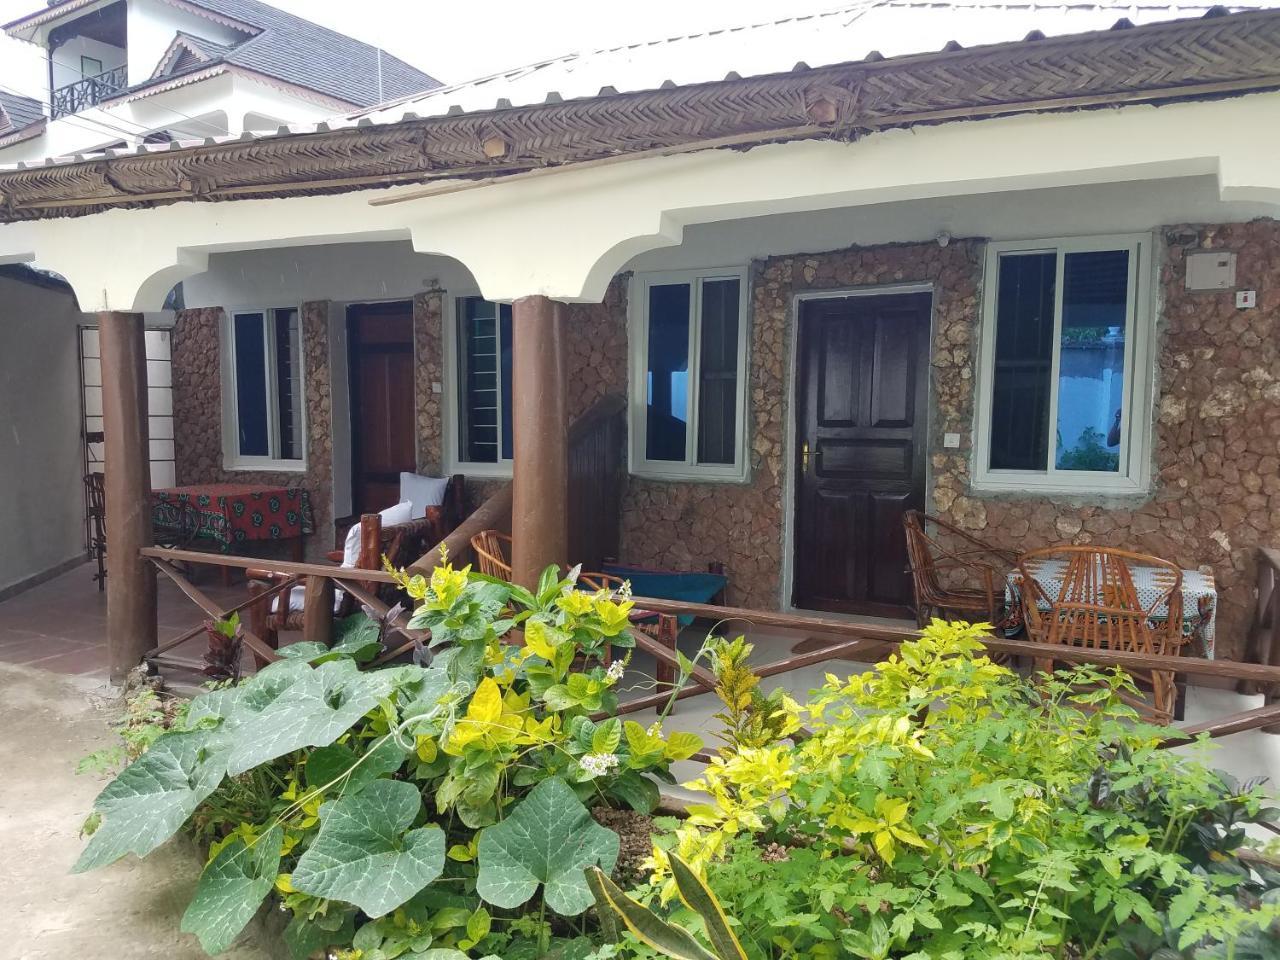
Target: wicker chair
[[493, 553], [1097, 606], [96, 502], [957, 576]]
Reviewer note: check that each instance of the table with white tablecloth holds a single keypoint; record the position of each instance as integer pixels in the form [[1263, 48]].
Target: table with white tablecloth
[[1199, 597]]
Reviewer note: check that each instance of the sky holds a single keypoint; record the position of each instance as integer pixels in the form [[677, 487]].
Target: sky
[[460, 41]]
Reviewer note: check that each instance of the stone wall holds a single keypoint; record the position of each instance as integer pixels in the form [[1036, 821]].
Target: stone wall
[[1216, 468], [197, 411], [428, 359], [687, 525]]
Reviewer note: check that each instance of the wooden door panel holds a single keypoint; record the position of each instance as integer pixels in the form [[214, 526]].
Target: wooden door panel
[[861, 420], [380, 361]]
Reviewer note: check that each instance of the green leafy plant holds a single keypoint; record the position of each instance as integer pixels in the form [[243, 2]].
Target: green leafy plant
[[618, 911], [943, 807], [1089, 453], [393, 809]]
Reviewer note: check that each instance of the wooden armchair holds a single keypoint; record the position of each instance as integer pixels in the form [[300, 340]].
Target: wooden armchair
[[957, 576], [401, 544], [1086, 596]]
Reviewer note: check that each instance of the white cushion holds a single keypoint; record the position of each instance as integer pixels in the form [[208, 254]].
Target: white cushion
[[298, 596], [422, 492], [402, 512]]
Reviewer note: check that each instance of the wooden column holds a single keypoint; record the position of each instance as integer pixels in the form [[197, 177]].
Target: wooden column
[[131, 581], [540, 428]]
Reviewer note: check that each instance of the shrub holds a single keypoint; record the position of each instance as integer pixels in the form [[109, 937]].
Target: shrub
[[418, 811], [940, 807]]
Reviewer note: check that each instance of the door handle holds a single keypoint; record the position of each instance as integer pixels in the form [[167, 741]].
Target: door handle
[[804, 457]]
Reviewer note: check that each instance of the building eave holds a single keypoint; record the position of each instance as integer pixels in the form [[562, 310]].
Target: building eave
[[1165, 62]]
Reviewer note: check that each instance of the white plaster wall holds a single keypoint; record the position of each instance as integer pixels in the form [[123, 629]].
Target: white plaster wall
[[41, 457], [340, 410], [66, 59], [342, 272], [152, 27]]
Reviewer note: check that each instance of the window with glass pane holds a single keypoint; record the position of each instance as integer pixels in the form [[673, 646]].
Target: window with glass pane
[[692, 373], [266, 350], [1063, 321], [484, 381]]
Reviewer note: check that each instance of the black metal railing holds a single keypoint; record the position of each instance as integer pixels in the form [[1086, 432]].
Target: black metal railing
[[89, 92]]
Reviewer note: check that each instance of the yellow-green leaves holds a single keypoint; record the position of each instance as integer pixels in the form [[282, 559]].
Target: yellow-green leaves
[[888, 826]]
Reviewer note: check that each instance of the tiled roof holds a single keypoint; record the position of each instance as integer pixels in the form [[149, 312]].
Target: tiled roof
[[297, 51], [888, 28], [17, 112]]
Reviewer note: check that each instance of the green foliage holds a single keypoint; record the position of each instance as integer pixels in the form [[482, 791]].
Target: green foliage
[[944, 809], [669, 939], [146, 717], [1089, 453], [387, 807]]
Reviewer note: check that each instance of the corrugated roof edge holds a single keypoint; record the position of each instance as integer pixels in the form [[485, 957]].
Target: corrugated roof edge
[[1181, 59]]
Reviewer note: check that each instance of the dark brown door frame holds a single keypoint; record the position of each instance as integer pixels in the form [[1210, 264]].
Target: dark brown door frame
[[794, 430]]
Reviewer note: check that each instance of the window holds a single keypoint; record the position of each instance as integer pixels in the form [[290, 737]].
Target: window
[[90, 67], [689, 349], [483, 378], [1064, 393], [265, 403]]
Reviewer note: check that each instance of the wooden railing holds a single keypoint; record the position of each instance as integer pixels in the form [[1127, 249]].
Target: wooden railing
[[848, 638], [1264, 636]]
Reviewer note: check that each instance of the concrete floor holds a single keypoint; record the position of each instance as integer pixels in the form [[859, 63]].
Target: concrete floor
[[130, 910]]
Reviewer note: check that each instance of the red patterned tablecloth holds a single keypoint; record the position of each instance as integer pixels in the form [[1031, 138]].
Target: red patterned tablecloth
[[229, 513]]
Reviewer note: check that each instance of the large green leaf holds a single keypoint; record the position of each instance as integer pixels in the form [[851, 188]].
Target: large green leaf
[[290, 705], [231, 889], [362, 853], [154, 796], [548, 839], [327, 764]]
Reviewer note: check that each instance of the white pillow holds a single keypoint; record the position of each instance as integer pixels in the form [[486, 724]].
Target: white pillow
[[422, 492], [402, 512]]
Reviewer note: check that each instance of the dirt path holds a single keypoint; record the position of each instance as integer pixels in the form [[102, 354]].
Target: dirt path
[[126, 911]]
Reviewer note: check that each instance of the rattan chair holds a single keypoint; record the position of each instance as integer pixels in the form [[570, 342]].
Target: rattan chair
[[956, 576], [1097, 606], [493, 553]]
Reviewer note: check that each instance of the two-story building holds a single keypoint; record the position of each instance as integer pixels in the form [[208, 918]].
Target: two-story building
[[125, 72]]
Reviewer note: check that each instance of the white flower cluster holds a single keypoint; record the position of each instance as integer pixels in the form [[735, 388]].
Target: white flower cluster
[[599, 764], [615, 671]]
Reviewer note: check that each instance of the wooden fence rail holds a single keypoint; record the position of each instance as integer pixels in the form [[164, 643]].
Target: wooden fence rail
[[848, 638]]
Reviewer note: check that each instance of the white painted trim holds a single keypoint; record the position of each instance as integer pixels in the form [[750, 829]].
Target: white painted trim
[[1134, 476], [453, 463], [637, 341], [231, 457], [787, 576]]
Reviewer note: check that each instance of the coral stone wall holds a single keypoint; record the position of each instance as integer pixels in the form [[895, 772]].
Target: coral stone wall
[[197, 411], [428, 359], [687, 525], [1216, 489]]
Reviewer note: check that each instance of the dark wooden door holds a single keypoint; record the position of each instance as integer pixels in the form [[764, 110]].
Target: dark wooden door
[[862, 393], [380, 364]]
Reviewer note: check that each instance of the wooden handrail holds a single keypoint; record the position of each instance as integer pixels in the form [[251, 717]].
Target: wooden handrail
[[351, 574], [493, 514]]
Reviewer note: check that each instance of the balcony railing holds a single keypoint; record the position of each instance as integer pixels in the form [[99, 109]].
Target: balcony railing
[[89, 92]]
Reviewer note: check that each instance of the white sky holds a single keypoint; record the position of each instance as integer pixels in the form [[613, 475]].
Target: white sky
[[459, 41]]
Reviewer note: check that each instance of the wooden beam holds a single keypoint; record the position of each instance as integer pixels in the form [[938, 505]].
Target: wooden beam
[[540, 428], [493, 514], [131, 587], [1255, 719], [270, 566]]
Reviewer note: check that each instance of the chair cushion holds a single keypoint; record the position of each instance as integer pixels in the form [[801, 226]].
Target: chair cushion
[[422, 492], [402, 512], [298, 596]]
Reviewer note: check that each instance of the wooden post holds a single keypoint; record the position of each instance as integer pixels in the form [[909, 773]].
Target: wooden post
[[317, 611], [540, 428], [131, 580]]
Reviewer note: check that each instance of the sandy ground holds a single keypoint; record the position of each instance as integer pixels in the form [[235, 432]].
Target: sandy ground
[[129, 910]]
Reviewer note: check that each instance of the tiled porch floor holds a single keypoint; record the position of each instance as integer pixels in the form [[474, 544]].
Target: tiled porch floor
[[61, 625]]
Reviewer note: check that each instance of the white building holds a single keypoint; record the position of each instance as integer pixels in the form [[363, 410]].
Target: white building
[[125, 72]]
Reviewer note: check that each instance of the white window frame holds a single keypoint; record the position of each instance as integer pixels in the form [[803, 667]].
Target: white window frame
[[638, 341], [1134, 474], [451, 408], [231, 456]]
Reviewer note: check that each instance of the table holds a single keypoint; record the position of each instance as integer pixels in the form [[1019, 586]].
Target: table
[[1199, 598], [232, 513]]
